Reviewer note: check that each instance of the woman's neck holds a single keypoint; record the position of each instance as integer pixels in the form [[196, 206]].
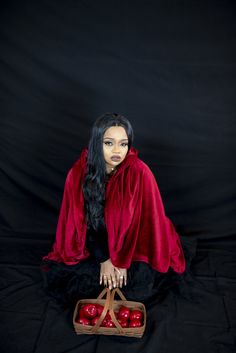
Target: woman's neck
[[110, 170]]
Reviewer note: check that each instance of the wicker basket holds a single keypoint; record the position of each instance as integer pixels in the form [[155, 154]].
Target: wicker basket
[[111, 305]]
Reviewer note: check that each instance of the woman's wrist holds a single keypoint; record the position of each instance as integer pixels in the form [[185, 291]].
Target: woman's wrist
[[103, 261]]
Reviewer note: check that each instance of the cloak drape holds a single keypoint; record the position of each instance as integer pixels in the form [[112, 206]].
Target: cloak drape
[[137, 227]]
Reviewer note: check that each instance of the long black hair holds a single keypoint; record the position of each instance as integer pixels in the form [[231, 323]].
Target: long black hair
[[94, 182]]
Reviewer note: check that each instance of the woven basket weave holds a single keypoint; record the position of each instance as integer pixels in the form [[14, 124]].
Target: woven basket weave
[[110, 305]]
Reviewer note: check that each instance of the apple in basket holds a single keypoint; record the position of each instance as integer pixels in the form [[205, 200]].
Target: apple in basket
[[109, 323], [94, 320], [123, 323], [99, 308], [136, 314], [88, 311], [106, 321], [124, 313], [135, 323], [82, 321]]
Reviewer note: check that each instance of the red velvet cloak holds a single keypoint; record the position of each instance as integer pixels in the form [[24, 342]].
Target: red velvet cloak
[[137, 227]]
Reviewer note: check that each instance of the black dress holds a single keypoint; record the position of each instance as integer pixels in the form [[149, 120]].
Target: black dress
[[69, 283]]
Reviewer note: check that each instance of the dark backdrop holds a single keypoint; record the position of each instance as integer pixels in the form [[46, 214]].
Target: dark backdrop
[[168, 66]]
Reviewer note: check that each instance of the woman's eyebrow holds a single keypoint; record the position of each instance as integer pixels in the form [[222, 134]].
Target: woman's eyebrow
[[111, 138]]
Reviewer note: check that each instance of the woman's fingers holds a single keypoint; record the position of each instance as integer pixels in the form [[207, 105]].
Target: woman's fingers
[[121, 275], [105, 280], [109, 283], [101, 277], [125, 279], [114, 282], [108, 280], [112, 276], [121, 281]]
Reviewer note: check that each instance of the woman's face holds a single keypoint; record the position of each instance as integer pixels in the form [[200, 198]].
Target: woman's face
[[115, 146]]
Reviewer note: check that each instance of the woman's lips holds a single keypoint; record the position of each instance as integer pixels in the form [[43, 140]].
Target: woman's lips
[[115, 158]]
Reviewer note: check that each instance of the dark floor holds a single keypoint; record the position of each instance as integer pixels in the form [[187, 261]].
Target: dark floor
[[199, 317]]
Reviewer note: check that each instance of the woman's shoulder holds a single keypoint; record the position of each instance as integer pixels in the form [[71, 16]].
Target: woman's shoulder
[[140, 166], [78, 168]]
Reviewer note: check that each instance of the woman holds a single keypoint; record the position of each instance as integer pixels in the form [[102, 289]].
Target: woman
[[112, 228]]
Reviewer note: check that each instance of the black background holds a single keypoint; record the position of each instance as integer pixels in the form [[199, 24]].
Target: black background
[[170, 68]]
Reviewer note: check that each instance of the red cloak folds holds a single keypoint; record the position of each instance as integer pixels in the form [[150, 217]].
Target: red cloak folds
[[137, 227]]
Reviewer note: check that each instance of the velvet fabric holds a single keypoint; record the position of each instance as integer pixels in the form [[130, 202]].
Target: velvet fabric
[[137, 227]]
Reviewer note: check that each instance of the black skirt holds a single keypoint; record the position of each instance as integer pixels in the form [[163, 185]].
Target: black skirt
[[69, 283]]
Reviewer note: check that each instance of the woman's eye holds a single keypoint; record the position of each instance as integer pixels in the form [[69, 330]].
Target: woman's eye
[[109, 143]]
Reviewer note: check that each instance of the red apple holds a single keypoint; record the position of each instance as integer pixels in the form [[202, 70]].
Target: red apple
[[136, 314], [135, 323], [110, 323], [94, 320], [124, 312], [89, 311], [104, 322], [99, 308], [107, 317], [123, 323], [83, 321], [116, 314], [81, 313]]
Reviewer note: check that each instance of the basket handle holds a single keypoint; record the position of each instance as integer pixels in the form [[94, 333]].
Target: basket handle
[[111, 311], [103, 292], [105, 310], [118, 291]]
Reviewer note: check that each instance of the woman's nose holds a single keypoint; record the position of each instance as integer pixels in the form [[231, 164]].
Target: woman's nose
[[116, 148]]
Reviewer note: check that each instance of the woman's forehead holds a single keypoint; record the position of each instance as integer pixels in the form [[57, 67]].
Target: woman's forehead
[[115, 132]]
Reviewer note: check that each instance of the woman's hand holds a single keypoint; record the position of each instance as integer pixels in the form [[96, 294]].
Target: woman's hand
[[107, 274], [112, 276], [121, 276]]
